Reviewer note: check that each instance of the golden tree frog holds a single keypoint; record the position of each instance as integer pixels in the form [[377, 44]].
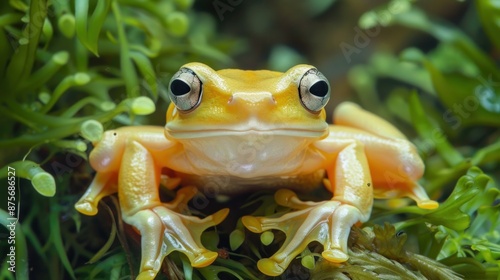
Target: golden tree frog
[[256, 130]]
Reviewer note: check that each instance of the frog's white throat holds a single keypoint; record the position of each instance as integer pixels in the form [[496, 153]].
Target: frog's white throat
[[248, 155]]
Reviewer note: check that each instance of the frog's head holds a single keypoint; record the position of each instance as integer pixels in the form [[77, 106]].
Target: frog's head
[[207, 103]]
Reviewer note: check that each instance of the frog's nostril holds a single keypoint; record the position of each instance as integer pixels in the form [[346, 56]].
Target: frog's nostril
[[253, 98]]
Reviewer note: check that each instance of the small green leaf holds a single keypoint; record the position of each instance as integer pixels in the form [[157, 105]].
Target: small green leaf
[[81, 78], [308, 261], [177, 23], [107, 106], [47, 31], [44, 97], [236, 238], [143, 106], [61, 58], [267, 237], [66, 24], [92, 130], [44, 184]]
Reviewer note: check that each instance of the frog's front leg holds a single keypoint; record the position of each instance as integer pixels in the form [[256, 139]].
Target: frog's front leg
[[353, 188], [103, 184], [327, 222], [129, 160], [162, 229]]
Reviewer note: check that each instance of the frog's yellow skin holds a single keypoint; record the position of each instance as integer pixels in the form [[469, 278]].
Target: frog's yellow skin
[[251, 130]]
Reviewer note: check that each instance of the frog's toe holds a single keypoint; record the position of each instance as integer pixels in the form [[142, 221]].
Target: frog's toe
[[164, 231], [335, 255], [204, 259], [104, 184], [146, 275], [183, 233], [219, 216], [301, 228], [419, 195], [327, 222], [86, 207], [270, 267], [253, 224], [428, 204]]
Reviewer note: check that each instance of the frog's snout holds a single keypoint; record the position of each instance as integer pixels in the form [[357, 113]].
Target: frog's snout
[[261, 99]]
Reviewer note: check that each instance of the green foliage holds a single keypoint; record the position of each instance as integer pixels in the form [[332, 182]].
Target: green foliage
[[66, 67], [458, 240], [379, 253], [463, 231], [455, 138], [51, 68]]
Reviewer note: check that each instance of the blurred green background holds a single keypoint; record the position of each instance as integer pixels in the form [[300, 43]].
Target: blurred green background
[[431, 68]]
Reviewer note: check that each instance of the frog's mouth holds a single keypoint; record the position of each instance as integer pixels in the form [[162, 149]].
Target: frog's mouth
[[202, 132]]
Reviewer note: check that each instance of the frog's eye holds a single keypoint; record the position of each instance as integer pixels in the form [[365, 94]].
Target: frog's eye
[[314, 90], [185, 89]]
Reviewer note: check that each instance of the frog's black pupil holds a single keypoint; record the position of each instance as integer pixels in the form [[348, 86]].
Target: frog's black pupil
[[319, 89], [179, 87]]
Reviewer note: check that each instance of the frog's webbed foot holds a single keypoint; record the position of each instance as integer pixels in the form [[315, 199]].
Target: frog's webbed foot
[[104, 184], [327, 222], [418, 194], [164, 230]]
